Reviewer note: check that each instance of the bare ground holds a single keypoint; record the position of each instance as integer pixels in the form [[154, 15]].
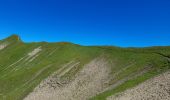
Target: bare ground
[[3, 45], [33, 54], [87, 83], [157, 88], [35, 51]]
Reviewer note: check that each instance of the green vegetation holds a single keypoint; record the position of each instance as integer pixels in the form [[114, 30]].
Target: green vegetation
[[146, 63], [19, 75]]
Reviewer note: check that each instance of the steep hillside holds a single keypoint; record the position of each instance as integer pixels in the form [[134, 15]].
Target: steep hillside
[[64, 70], [157, 88]]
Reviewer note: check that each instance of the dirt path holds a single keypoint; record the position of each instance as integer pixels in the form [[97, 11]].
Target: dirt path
[[157, 88], [87, 83], [33, 78], [35, 51], [33, 54], [68, 69], [25, 59]]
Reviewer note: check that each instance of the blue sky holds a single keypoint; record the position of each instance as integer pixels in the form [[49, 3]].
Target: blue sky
[[125, 23]]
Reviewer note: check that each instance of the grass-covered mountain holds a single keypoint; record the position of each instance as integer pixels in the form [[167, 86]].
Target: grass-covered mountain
[[64, 71]]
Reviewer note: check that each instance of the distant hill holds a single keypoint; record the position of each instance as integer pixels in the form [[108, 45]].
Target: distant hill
[[67, 71]]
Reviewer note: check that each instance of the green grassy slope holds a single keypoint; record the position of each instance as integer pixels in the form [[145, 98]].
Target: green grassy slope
[[19, 75], [134, 66]]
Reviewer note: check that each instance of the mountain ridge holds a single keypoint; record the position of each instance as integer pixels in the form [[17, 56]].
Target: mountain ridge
[[24, 66], [16, 37]]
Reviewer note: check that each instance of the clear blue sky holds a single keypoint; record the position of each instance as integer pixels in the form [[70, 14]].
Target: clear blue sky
[[88, 22]]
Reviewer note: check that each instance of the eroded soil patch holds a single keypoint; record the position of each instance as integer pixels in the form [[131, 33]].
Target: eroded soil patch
[[87, 83], [157, 88]]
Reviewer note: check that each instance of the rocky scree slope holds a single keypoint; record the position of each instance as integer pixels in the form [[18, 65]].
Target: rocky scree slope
[[41, 70]]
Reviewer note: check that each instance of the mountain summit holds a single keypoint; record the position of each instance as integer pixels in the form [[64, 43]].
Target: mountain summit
[[46, 71], [14, 38]]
